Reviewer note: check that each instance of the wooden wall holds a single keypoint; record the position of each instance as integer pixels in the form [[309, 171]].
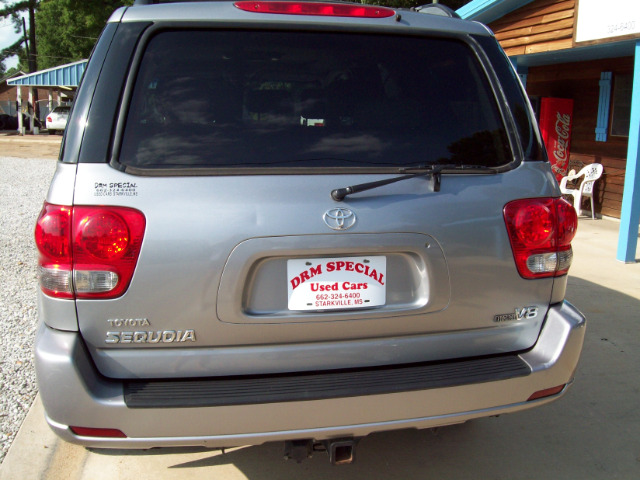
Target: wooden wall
[[580, 82], [545, 26], [541, 26]]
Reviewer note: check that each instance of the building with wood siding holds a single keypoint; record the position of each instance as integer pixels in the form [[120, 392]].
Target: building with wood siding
[[586, 51]]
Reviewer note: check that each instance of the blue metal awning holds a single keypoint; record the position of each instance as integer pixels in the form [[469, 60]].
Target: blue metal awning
[[68, 75], [486, 11]]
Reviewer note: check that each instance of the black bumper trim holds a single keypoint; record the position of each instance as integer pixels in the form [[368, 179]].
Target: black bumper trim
[[246, 390]]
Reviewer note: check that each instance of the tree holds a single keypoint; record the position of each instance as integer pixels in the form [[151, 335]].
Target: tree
[[14, 12], [68, 29]]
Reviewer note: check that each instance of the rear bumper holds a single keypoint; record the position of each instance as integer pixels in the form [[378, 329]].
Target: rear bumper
[[74, 393]]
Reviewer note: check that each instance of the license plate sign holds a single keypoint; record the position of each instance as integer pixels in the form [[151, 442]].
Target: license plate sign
[[336, 283]]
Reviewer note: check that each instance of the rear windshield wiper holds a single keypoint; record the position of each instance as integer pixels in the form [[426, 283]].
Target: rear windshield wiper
[[433, 171]]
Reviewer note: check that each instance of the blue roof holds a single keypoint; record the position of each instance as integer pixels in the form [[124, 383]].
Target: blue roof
[[68, 75], [487, 11]]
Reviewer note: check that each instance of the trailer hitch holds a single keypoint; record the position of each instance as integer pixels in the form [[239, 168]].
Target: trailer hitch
[[341, 451]]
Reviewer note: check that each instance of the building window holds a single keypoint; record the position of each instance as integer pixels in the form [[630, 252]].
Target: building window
[[621, 111]]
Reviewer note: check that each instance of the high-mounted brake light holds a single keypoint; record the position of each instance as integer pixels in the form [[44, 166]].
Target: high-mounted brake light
[[316, 8], [88, 252], [540, 231]]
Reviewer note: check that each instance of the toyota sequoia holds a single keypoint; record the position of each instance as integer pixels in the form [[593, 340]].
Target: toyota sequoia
[[302, 222]]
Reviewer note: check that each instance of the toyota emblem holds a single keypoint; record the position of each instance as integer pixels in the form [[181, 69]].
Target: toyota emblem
[[339, 218]]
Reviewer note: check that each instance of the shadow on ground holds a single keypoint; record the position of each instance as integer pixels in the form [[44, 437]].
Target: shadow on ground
[[593, 432]]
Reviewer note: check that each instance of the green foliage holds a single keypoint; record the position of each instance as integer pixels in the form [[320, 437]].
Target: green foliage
[[13, 11], [68, 29], [8, 73], [15, 49]]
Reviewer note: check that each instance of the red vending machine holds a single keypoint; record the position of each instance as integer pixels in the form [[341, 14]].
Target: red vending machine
[[556, 118]]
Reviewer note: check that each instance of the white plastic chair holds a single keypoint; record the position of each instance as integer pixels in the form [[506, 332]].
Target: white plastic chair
[[591, 173]]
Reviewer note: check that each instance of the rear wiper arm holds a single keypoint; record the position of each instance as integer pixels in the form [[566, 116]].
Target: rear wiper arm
[[433, 171]]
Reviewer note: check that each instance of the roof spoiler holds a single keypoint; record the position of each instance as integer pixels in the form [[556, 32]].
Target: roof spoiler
[[430, 8]]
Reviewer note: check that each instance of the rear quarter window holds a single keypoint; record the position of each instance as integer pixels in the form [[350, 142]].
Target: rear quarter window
[[232, 99]]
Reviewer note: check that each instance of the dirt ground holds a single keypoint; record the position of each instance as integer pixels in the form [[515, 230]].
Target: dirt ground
[[30, 146]]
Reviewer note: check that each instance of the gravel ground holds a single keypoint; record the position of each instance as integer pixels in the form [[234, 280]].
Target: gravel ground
[[23, 186]]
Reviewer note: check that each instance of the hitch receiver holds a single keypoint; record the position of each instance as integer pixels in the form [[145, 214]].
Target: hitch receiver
[[341, 451], [298, 450]]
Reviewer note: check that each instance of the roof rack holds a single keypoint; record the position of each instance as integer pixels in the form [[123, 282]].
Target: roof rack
[[430, 8], [156, 2], [437, 9]]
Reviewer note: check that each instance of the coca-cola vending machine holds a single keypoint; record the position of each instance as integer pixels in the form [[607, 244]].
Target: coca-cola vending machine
[[556, 118]]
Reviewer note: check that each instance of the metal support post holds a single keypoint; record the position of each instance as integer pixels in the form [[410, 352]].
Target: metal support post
[[19, 99], [630, 213]]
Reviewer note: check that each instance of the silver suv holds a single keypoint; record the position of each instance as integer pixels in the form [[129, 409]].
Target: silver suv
[[297, 221]]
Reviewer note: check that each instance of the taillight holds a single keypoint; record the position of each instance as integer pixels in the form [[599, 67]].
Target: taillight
[[53, 239], [540, 231], [315, 8], [88, 252], [49, 119]]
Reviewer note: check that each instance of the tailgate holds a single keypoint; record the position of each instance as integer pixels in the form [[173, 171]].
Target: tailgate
[[248, 265], [211, 291]]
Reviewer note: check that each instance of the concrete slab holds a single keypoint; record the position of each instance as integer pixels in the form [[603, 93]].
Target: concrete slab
[[591, 433]]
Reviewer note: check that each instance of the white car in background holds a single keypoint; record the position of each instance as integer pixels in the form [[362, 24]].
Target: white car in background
[[57, 119]]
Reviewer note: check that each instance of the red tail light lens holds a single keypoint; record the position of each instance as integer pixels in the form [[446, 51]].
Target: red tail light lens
[[49, 119], [53, 232], [53, 239], [104, 235], [311, 8], [106, 246], [88, 252], [534, 224], [567, 222], [541, 231]]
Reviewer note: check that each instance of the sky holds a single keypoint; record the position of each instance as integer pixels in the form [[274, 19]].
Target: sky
[[8, 37]]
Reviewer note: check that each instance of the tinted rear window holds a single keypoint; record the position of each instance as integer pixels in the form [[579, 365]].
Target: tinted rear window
[[239, 99]]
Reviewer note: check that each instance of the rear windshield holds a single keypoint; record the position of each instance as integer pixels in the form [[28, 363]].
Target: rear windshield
[[257, 99]]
